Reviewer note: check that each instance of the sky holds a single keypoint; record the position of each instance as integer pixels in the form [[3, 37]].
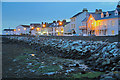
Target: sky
[[17, 13]]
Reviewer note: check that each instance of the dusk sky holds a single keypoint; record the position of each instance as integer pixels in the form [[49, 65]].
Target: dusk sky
[[17, 13]]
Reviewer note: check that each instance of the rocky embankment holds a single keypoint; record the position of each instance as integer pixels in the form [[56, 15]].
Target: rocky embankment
[[98, 55]]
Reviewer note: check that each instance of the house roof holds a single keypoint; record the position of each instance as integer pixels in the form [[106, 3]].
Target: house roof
[[25, 26], [8, 30], [96, 16], [84, 20], [118, 10], [112, 15], [65, 23], [77, 14], [55, 24]]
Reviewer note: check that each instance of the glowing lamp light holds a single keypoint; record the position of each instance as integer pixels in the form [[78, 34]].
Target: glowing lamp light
[[91, 18], [44, 25], [60, 23], [92, 23], [14, 29], [24, 28], [62, 31], [56, 30], [18, 29], [32, 54], [32, 27], [38, 29]]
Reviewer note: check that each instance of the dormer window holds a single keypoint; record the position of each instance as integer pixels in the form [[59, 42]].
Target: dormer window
[[107, 14], [102, 15], [116, 12]]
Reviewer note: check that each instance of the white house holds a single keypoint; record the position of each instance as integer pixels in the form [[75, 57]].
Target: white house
[[8, 32], [22, 29], [58, 27], [76, 21], [104, 23], [34, 28]]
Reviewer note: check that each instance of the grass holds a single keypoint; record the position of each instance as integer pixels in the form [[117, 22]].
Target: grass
[[88, 75], [28, 50], [52, 68], [21, 57]]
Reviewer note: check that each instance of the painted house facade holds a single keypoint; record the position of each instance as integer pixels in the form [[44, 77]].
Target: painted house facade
[[76, 21], [104, 23], [8, 32], [22, 30]]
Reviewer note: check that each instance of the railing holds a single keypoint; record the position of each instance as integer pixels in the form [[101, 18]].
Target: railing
[[82, 27], [102, 27]]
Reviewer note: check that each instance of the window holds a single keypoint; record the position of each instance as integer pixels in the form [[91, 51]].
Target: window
[[24, 28], [113, 23], [107, 14], [116, 12], [119, 22], [74, 25], [18, 29], [113, 32], [102, 15]]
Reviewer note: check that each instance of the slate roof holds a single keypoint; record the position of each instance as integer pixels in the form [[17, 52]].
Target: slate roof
[[36, 24], [112, 15], [96, 16], [65, 23], [8, 30], [25, 26], [52, 24], [77, 14]]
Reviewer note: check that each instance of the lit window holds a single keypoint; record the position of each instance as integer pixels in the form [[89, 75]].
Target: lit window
[[14, 29], [32, 28], [113, 32], [37, 29], [18, 29], [90, 18], [24, 28]]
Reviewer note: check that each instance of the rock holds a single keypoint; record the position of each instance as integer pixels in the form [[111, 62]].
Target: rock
[[50, 73], [14, 60], [106, 62], [68, 71]]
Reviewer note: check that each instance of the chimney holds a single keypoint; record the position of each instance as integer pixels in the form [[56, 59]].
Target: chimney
[[58, 21], [118, 6], [42, 22], [64, 21], [100, 11], [96, 11], [85, 10], [54, 21]]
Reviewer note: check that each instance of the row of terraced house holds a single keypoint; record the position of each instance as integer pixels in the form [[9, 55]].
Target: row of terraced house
[[84, 23]]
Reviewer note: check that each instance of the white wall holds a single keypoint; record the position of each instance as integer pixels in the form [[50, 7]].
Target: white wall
[[78, 21], [110, 27], [22, 30], [7, 32]]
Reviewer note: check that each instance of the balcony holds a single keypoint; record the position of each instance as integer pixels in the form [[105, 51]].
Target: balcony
[[82, 27], [102, 27]]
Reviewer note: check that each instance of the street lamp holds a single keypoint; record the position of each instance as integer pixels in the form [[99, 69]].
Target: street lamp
[[32, 28], [60, 23], [24, 28], [37, 29], [44, 25]]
